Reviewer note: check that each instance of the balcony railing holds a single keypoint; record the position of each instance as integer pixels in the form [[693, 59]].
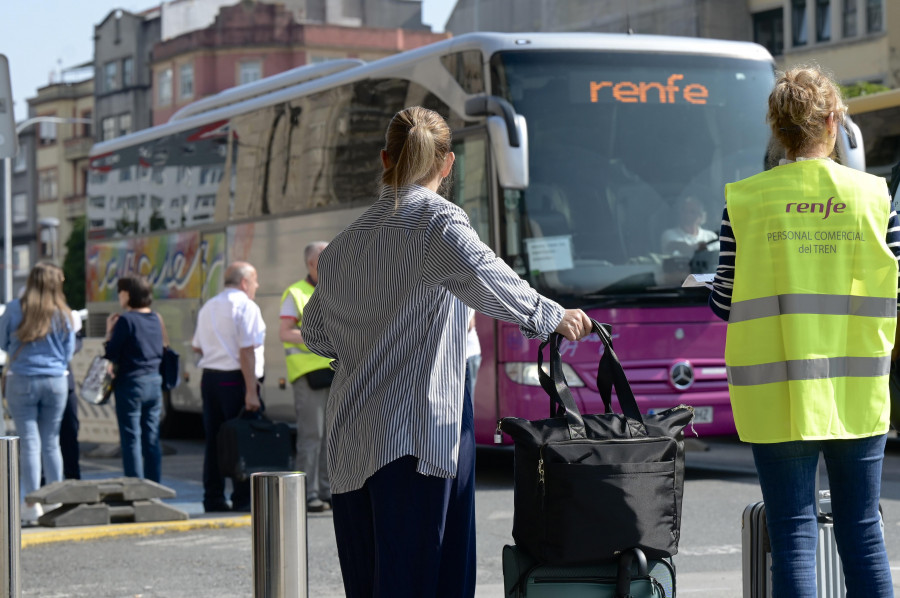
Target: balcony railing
[[77, 148], [74, 206]]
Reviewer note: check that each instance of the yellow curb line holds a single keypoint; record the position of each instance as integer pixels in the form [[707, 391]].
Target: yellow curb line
[[81, 534]]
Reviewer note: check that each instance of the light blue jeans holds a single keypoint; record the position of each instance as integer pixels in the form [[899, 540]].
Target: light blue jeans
[[36, 404], [138, 410], [787, 475]]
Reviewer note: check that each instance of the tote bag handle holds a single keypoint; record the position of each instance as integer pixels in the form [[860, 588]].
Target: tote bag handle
[[610, 374]]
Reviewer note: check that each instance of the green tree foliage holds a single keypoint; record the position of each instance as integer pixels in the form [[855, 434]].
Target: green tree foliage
[[861, 88], [73, 266]]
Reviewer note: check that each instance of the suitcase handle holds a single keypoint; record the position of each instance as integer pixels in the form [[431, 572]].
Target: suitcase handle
[[624, 577]]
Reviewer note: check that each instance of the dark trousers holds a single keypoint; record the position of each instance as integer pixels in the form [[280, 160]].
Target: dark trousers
[[404, 534], [68, 435], [223, 398]]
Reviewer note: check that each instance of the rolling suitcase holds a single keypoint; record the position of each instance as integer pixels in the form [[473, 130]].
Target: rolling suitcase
[[757, 555], [632, 576]]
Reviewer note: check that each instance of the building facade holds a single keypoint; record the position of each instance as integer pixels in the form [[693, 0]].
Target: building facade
[[61, 162], [122, 45], [722, 19], [252, 40], [857, 40]]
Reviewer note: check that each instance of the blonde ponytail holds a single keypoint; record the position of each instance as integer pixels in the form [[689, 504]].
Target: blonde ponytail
[[417, 143]]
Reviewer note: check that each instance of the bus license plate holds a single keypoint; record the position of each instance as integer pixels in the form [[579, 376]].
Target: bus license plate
[[703, 415]]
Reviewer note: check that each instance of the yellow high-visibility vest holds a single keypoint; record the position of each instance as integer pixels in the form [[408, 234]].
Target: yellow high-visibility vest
[[300, 360], [814, 304]]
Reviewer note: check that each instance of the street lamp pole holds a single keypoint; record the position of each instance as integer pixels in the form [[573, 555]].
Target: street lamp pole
[[7, 202]]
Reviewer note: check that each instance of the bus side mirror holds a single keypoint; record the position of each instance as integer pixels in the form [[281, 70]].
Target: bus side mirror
[[508, 135], [849, 145]]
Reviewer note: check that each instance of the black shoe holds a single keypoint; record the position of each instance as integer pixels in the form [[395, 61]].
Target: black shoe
[[216, 507], [245, 508]]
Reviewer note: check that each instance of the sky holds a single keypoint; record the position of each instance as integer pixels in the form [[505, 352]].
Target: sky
[[42, 37]]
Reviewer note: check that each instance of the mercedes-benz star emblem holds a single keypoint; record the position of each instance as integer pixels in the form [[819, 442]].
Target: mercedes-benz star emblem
[[682, 375]]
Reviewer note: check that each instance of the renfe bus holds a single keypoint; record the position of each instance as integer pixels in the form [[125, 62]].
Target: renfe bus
[[575, 153]]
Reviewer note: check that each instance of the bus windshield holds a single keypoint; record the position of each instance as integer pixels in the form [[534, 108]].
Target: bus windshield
[[629, 155]]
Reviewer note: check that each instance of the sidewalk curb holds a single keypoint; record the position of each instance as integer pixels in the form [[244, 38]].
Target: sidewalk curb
[[38, 537]]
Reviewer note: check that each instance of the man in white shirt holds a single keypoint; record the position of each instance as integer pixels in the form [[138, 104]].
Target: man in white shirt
[[229, 337]]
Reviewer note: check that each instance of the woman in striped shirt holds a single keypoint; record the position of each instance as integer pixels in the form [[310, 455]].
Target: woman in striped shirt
[[390, 309]]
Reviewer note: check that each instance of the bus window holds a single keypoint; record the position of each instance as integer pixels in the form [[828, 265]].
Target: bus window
[[469, 189], [617, 143]]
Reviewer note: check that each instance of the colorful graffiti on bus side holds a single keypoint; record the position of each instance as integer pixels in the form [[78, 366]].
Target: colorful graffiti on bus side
[[179, 265]]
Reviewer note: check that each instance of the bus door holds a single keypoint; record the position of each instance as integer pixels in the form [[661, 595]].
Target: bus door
[[470, 190]]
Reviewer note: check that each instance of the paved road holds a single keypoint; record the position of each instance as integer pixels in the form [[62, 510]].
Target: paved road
[[202, 562]]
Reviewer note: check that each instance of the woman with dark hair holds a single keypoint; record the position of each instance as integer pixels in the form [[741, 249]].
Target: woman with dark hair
[[38, 335], [134, 343]]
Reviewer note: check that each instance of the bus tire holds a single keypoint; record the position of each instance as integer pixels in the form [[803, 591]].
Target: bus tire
[[176, 424]]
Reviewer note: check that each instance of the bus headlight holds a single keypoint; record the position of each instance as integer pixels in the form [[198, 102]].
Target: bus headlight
[[527, 374]]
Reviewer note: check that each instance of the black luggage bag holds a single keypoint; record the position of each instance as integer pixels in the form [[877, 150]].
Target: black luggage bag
[[252, 443], [622, 473]]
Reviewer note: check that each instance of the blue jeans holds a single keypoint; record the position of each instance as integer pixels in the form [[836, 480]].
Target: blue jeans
[[787, 473], [138, 408], [36, 404]]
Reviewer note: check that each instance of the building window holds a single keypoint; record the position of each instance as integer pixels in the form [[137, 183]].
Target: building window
[[110, 80], [186, 81], [48, 132], [47, 238], [21, 260], [108, 128], [798, 22], [249, 72], [164, 87], [87, 128], [124, 124], [874, 16], [127, 72], [768, 30], [20, 208], [849, 17], [21, 162], [823, 20], [48, 185]]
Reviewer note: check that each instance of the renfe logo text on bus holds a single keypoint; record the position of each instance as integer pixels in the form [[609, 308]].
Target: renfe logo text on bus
[[630, 93]]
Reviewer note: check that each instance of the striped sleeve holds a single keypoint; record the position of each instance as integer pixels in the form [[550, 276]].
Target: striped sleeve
[[457, 260], [720, 298]]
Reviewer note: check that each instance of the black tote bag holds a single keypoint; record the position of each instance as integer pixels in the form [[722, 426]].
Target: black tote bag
[[588, 487]]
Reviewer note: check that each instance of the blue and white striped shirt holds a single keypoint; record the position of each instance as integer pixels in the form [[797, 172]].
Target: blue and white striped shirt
[[723, 285], [389, 309]]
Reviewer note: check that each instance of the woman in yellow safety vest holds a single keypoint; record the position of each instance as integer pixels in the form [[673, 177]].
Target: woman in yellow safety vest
[[807, 280]]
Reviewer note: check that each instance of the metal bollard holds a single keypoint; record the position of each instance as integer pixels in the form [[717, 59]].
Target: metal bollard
[[278, 519], [11, 542]]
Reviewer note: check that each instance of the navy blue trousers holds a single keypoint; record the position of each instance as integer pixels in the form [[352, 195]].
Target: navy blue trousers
[[223, 398], [407, 535]]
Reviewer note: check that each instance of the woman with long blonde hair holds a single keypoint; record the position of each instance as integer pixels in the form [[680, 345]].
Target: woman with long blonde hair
[[38, 335]]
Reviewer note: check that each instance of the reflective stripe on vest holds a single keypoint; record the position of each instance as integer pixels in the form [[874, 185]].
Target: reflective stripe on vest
[[814, 304], [298, 358], [809, 369], [836, 305]]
